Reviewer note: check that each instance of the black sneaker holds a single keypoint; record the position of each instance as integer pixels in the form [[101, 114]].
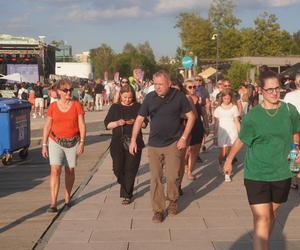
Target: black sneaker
[[180, 191]]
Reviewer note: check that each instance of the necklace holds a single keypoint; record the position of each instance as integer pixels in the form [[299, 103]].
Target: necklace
[[268, 112]]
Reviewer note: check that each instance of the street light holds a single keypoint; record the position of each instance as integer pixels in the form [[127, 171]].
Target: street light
[[216, 37]]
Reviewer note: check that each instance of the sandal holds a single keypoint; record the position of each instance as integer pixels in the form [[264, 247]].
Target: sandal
[[68, 205], [52, 210], [126, 201], [190, 176], [294, 186]]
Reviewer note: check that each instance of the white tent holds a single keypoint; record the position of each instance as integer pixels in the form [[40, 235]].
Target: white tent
[[16, 77]]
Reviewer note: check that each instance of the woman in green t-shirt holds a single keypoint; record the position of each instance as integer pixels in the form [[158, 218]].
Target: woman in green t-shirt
[[268, 131]]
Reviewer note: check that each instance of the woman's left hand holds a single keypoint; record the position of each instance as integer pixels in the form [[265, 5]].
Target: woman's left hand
[[80, 149]]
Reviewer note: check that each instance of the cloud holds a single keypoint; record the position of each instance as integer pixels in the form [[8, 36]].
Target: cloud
[[280, 3], [19, 22], [173, 6], [91, 15]]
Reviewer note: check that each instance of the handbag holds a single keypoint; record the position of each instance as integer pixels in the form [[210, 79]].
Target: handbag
[[125, 139], [66, 142]]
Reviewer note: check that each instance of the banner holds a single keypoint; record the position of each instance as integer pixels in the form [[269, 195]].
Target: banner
[[30, 72], [138, 74], [117, 77], [105, 76]]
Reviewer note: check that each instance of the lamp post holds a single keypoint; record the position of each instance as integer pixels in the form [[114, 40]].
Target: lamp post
[[216, 37]]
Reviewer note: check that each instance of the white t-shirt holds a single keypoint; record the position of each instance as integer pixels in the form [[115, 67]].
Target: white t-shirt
[[21, 90], [293, 98]]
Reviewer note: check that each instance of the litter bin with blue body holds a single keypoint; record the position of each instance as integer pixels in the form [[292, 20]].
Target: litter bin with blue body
[[14, 128]]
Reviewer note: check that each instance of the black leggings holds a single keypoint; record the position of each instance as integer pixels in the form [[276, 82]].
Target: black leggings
[[125, 167]]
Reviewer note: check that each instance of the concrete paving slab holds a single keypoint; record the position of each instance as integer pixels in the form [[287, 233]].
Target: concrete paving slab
[[150, 235], [88, 246], [190, 245]]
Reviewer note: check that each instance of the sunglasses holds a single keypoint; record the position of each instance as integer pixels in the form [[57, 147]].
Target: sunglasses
[[191, 87], [227, 86], [124, 82], [67, 90]]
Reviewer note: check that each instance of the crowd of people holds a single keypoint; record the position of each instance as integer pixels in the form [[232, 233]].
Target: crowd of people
[[253, 116]]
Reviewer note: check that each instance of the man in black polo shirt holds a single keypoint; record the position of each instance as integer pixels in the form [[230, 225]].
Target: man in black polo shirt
[[167, 138]]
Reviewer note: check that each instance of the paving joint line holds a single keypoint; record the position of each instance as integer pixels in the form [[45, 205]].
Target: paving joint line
[[46, 235]]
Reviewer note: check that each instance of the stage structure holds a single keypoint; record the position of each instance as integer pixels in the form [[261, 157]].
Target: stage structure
[[32, 58]]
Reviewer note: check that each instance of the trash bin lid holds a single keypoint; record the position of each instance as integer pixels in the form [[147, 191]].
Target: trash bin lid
[[7, 104]]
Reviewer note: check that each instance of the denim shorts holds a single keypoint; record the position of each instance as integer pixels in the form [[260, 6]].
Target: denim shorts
[[61, 156]]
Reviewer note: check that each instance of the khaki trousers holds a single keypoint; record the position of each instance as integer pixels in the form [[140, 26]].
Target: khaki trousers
[[170, 158]]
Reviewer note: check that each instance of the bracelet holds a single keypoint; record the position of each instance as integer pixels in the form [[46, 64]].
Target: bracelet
[[182, 137], [81, 141], [44, 144]]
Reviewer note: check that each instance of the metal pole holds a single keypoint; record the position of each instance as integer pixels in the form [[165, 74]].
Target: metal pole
[[217, 59]]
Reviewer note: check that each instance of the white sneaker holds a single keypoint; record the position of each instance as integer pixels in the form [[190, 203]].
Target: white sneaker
[[227, 178]]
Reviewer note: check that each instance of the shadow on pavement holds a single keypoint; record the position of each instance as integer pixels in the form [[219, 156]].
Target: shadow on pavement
[[278, 239], [23, 175], [207, 179]]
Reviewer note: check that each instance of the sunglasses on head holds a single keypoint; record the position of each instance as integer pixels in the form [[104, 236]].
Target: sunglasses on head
[[191, 87], [67, 90]]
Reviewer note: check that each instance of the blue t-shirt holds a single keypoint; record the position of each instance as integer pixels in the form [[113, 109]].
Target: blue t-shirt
[[165, 116]]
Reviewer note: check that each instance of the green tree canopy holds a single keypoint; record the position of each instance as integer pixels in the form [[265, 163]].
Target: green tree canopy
[[237, 73]]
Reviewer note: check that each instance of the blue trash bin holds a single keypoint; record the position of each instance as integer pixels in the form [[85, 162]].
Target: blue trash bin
[[14, 128]]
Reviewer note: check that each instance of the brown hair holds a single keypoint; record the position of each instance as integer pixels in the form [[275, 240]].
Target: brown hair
[[267, 75], [226, 92], [63, 83], [126, 89]]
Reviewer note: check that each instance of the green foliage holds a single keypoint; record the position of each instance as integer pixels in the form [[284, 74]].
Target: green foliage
[[195, 33], [221, 15], [237, 73], [265, 39], [104, 59]]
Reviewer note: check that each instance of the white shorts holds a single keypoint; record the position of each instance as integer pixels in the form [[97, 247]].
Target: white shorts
[[39, 102], [61, 156]]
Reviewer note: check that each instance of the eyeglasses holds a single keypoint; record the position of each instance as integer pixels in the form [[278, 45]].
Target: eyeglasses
[[67, 90], [191, 87], [124, 82], [272, 90]]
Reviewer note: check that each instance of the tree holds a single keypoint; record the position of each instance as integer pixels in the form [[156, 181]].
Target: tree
[[221, 15], [129, 49], [146, 50], [238, 73], [230, 45], [296, 37], [102, 58], [195, 33]]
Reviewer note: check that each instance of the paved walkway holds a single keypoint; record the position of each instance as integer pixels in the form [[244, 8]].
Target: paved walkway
[[24, 186], [212, 215]]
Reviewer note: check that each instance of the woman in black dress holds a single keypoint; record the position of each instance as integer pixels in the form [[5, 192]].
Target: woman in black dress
[[120, 118]]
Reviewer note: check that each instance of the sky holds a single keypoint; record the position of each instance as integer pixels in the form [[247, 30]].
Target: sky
[[86, 24]]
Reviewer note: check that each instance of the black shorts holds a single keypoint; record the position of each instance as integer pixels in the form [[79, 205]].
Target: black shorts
[[259, 192]]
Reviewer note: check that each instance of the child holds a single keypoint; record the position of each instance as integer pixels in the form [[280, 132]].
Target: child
[[227, 126]]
